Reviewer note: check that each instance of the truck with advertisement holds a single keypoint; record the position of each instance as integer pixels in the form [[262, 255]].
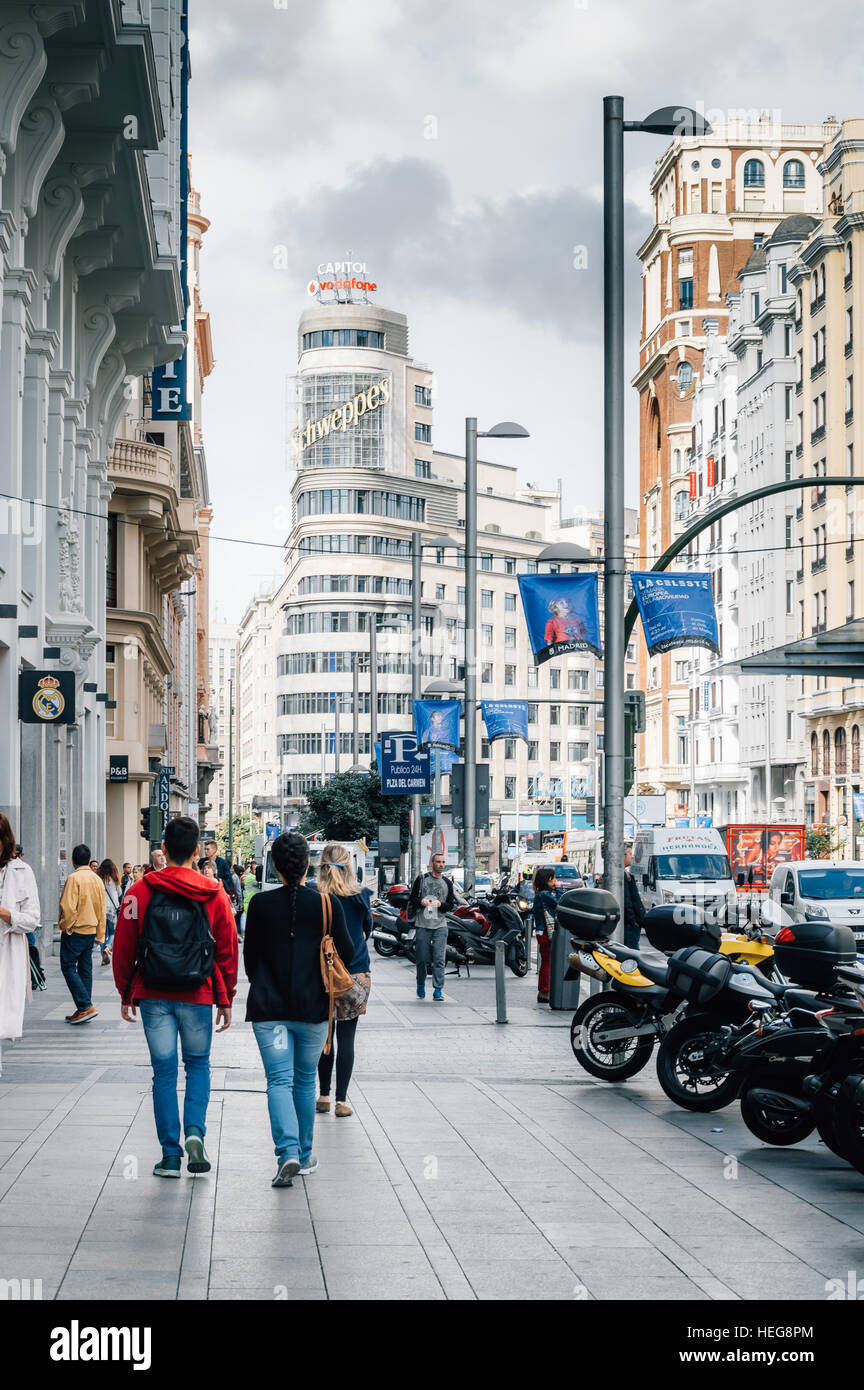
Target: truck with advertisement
[[677, 865], [357, 852], [756, 849]]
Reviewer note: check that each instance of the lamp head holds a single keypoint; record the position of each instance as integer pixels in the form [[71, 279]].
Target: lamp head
[[506, 429], [672, 120]]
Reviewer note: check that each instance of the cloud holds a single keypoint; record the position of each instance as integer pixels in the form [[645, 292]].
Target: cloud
[[537, 255]]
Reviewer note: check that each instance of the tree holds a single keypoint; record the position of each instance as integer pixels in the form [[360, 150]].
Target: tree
[[351, 807], [818, 843], [244, 844]]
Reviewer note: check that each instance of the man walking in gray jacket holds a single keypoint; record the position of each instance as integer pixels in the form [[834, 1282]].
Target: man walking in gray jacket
[[432, 896]]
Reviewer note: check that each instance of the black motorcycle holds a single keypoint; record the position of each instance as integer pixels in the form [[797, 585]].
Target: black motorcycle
[[474, 929]]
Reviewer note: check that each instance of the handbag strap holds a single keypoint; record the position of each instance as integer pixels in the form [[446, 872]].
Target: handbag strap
[[326, 915], [326, 928]]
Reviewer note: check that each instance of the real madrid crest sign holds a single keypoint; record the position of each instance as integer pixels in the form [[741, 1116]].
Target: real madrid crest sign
[[46, 697]]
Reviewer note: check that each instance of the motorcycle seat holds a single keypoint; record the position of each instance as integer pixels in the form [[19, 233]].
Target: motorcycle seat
[[657, 972]]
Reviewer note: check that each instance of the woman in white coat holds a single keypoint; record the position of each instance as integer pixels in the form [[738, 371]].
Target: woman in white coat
[[19, 914]]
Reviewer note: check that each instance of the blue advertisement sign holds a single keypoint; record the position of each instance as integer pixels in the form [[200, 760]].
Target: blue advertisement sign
[[858, 805], [505, 718], [170, 398], [677, 610], [403, 765], [562, 613], [437, 723]]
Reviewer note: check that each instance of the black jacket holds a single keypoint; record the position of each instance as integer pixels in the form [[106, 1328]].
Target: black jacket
[[634, 912], [414, 897], [284, 966]]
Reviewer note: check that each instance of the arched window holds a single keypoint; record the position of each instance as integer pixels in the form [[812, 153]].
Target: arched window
[[682, 500], [676, 461], [848, 260], [840, 750], [685, 376], [793, 174], [754, 174], [856, 749], [814, 755], [826, 754]]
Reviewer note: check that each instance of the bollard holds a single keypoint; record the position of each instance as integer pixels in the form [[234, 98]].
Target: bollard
[[500, 990]]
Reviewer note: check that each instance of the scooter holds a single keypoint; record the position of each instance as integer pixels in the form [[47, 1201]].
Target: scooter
[[476, 928], [391, 933]]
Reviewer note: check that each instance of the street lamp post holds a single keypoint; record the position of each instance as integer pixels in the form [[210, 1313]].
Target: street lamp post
[[506, 430], [669, 120]]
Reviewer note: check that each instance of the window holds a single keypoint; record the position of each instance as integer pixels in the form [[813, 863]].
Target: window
[[486, 598], [509, 788], [787, 406], [509, 637], [509, 749], [577, 716], [439, 592], [756, 301], [460, 595], [486, 673], [486, 634], [554, 678], [754, 174], [856, 748], [510, 603], [850, 600], [422, 468], [509, 565], [110, 689], [533, 676], [422, 395], [486, 562], [685, 294], [577, 680], [784, 284], [840, 750], [343, 337], [681, 670], [532, 750], [630, 681], [554, 714], [599, 743], [532, 714], [814, 755], [554, 752], [680, 503], [598, 678], [485, 748], [685, 379], [422, 433], [111, 564], [577, 752], [793, 174]]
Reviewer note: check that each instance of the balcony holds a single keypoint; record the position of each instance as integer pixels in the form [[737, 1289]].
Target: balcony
[[799, 512], [817, 369], [850, 551], [817, 434], [818, 565], [817, 304], [849, 414], [799, 449], [817, 497], [799, 574], [848, 348]]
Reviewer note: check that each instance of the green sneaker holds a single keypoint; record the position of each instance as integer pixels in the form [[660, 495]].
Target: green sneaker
[[167, 1167], [196, 1153]]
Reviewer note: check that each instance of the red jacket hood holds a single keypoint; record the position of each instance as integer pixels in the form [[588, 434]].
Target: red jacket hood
[[186, 881]]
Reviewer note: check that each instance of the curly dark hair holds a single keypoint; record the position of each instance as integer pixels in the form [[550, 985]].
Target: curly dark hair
[[543, 876], [290, 860]]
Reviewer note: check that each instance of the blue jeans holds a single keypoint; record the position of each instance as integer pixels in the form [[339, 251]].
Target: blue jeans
[[290, 1053], [164, 1020], [431, 946], [76, 963]]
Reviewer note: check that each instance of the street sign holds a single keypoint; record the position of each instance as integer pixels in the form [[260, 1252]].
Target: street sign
[[457, 796], [389, 841], [46, 697], [118, 768], [164, 799], [404, 766]]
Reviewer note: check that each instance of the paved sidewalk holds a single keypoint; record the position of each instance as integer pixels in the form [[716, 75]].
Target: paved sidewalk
[[481, 1162]]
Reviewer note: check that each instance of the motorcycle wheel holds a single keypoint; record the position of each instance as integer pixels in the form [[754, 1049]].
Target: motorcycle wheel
[[682, 1071], [518, 958], [614, 1061], [849, 1124], [825, 1109], [773, 1127], [384, 948]]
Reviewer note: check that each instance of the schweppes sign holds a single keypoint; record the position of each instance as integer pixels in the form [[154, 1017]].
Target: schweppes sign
[[341, 417]]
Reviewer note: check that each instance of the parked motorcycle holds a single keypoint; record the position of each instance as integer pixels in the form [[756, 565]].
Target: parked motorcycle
[[476, 928], [613, 1033], [391, 933], [709, 1058]]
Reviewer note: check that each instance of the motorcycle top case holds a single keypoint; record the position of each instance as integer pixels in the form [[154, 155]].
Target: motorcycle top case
[[676, 925], [398, 895], [589, 914], [809, 952], [698, 975]]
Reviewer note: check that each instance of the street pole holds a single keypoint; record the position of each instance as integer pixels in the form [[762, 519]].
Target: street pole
[[355, 704], [281, 792], [470, 809], [373, 682], [767, 756], [230, 845], [516, 855], [437, 847], [336, 730], [416, 676], [694, 705], [614, 568]]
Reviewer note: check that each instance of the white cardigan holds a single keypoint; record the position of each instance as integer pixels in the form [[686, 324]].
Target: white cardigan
[[20, 895]]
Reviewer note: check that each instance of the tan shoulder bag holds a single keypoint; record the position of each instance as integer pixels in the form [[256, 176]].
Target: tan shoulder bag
[[335, 976]]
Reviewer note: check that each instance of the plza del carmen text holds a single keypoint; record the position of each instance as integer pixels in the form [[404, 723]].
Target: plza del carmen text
[[341, 417]]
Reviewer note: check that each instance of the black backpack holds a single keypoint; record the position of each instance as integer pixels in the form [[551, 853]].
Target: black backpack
[[176, 950]]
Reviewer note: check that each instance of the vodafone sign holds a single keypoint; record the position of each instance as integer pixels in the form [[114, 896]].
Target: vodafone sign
[[340, 275]]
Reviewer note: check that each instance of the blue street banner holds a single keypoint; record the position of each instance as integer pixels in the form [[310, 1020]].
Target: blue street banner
[[437, 723], [858, 805], [562, 613], [505, 718], [404, 766], [677, 610]]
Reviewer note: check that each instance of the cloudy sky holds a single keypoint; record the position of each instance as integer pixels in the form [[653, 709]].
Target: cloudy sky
[[455, 147]]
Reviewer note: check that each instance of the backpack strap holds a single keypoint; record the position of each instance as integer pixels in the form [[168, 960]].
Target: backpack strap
[[326, 932]]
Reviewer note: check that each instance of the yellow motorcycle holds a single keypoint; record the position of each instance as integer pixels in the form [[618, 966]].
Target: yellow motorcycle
[[614, 1031]]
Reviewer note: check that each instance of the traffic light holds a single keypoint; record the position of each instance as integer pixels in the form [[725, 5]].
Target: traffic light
[[152, 825], [558, 806], [634, 723]]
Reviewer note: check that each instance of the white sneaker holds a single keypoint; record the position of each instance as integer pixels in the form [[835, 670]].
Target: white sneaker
[[309, 1166]]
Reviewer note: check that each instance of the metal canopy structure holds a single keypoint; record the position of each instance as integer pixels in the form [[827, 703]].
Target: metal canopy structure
[[839, 652]]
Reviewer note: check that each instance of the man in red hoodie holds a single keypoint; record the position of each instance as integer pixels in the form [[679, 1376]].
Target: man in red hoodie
[[175, 955]]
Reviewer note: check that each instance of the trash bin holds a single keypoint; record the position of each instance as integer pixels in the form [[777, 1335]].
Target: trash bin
[[564, 981]]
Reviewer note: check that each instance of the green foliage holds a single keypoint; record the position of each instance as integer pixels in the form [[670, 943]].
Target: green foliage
[[819, 845], [243, 842], [351, 807]]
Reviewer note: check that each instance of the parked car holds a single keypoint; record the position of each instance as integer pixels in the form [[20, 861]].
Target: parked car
[[816, 890]]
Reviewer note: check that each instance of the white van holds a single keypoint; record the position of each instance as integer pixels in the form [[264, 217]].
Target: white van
[[684, 866], [815, 890], [355, 848]]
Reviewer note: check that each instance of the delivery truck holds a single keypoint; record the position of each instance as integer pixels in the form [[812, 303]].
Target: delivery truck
[[672, 865]]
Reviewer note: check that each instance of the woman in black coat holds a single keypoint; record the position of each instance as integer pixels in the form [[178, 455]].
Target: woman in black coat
[[288, 1005]]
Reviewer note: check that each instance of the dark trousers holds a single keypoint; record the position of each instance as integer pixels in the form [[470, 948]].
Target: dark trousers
[[343, 1050], [76, 963], [544, 950], [632, 933]]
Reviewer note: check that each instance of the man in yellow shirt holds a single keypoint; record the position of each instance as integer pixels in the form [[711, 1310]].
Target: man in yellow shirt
[[81, 918]]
